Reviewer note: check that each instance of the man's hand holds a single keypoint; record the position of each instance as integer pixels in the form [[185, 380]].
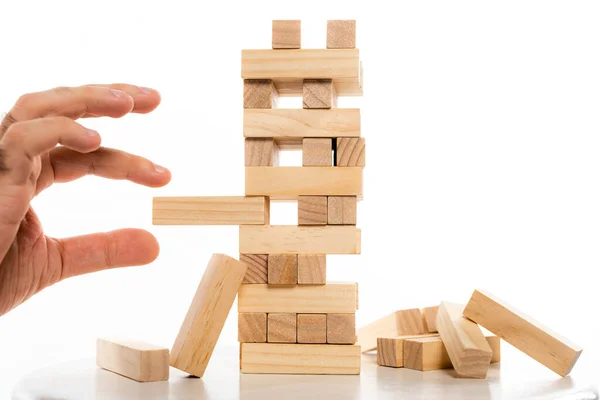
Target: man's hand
[[30, 162]]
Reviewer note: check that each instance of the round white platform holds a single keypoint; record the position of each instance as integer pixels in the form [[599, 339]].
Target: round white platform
[[81, 379]]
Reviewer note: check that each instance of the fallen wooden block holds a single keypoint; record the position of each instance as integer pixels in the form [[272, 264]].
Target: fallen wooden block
[[317, 152], [467, 347], [252, 327], [260, 152], [312, 210], [341, 210], [341, 328], [523, 332], [286, 34], [399, 323], [350, 152], [341, 34], [287, 183], [318, 94], [312, 359], [283, 269], [312, 328], [300, 299], [257, 267], [281, 328], [211, 210], [429, 317], [260, 93], [136, 360], [206, 316], [282, 239], [312, 269], [390, 350]]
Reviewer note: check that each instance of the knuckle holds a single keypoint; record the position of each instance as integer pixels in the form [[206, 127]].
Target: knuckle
[[63, 90], [25, 100]]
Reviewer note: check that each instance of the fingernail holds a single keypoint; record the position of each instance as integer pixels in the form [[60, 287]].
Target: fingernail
[[117, 93], [159, 169], [92, 133], [146, 90]]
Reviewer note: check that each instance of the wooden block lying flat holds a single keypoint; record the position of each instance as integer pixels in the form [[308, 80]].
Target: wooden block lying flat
[[135, 360], [210, 210], [429, 316], [312, 210], [341, 328], [318, 93], [300, 299], [312, 269], [467, 347], [281, 328], [260, 93], [286, 239], [283, 269], [207, 314], [390, 350], [312, 359], [281, 123], [350, 152], [399, 323], [312, 328], [529, 336], [260, 152], [341, 34], [257, 267], [287, 183], [341, 210], [286, 34], [317, 152], [252, 327]]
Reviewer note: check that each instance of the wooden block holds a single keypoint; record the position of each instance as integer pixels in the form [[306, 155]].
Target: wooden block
[[297, 359], [312, 328], [341, 328], [261, 152], [286, 34], [317, 152], [312, 210], [136, 360], [257, 268], [429, 316], [283, 269], [390, 350], [312, 269], [523, 332], [260, 93], [350, 152], [252, 327], [318, 94], [494, 342], [399, 323], [467, 347], [211, 210], [300, 299], [341, 210], [341, 34], [207, 314], [281, 328], [286, 239], [281, 123]]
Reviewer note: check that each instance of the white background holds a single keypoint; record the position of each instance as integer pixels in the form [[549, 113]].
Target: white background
[[482, 170]]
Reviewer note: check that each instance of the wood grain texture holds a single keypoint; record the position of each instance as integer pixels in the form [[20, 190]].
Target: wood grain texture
[[312, 210], [399, 323], [467, 347], [286, 34], [300, 299], [520, 330], [390, 350], [252, 327], [341, 34], [312, 269], [136, 360], [312, 328], [260, 152], [429, 316], [283, 269], [341, 210], [318, 94], [287, 183], [350, 152], [317, 152], [206, 316], [257, 267], [281, 328], [282, 123], [341, 328], [260, 93], [286, 239], [312, 359]]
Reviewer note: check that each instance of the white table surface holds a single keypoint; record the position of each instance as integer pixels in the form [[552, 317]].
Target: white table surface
[[82, 380]]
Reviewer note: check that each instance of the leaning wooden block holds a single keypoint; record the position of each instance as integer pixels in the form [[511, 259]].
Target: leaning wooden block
[[312, 210], [399, 323], [281, 328], [312, 269], [429, 316], [286, 34], [257, 267], [206, 316], [133, 359], [312, 328], [341, 210], [317, 152], [390, 350], [211, 210], [350, 152], [341, 328], [318, 93], [283, 269], [341, 34], [260, 152], [312, 359], [252, 327], [300, 299], [467, 347], [523, 332], [259, 93], [288, 239]]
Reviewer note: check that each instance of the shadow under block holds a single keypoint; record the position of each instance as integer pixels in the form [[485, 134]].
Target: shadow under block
[[286, 34], [206, 316], [341, 210], [281, 123], [529, 336], [341, 328], [289, 239], [287, 183], [260, 93], [288, 68], [390, 350], [341, 34], [139, 361], [298, 359], [260, 152], [211, 210], [318, 94], [252, 327], [312, 328], [467, 347], [300, 299], [283, 269], [350, 152], [257, 267], [312, 210], [399, 323], [429, 316], [312, 269], [281, 328], [317, 152]]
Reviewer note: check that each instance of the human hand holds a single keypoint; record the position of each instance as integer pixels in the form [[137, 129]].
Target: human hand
[[30, 162]]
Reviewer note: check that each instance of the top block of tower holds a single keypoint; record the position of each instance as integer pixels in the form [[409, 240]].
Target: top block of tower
[[286, 34]]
